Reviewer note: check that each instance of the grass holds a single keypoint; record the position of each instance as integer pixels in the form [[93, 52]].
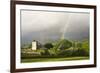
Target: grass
[[52, 59]]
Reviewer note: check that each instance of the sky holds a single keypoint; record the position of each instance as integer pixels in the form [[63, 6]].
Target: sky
[[45, 26]]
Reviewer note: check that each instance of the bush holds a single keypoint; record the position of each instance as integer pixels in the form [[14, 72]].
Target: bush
[[80, 52], [45, 52], [65, 53], [85, 46], [66, 44], [48, 45]]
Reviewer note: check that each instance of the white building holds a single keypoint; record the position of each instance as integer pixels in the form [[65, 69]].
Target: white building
[[34, 45]]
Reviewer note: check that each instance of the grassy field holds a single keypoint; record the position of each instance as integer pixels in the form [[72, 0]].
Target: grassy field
[[52, 59]]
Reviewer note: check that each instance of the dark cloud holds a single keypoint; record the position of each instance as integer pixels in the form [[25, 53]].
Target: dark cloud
[[44, 26]]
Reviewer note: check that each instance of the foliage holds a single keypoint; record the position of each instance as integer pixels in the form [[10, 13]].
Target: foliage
[[85, 46], [66, 44], [26, 46], [65, 53], [46, 52], [61, 48], [48, 45]]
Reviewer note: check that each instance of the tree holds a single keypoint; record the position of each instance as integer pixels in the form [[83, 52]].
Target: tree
[[79, 45], [48, 45], [85, 46], [66, 44]]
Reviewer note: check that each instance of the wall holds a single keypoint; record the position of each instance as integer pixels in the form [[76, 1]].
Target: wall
[[5, 36]]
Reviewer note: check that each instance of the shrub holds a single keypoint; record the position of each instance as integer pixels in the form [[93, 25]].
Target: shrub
[[66, 44], [46, 52], [85, 46], [65, 53], [48, 45], [80, 52]]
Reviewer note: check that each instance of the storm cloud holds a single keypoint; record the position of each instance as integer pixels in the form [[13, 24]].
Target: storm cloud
[[48, 25]]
